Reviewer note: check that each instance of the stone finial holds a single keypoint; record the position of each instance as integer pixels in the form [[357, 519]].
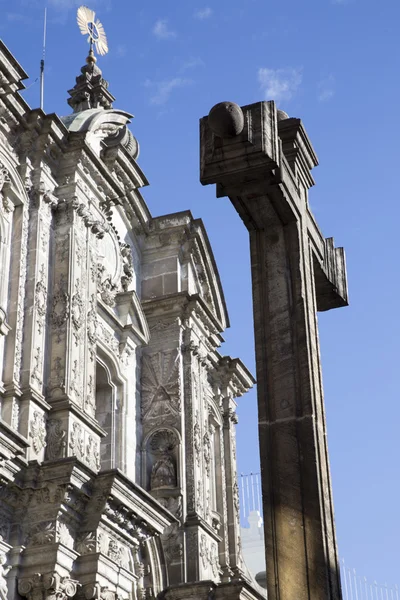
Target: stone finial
[[90, 90], [226, 119]]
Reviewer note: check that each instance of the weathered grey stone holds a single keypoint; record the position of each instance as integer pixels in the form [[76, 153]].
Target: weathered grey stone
[[295, 272]]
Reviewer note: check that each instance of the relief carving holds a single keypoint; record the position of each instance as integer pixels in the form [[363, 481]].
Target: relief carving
[[37, 369], [41, 299], [93, 454], [38, 431], [76, 443], [172, 543], [161, 394], [52, 586], [163, 473], [3, 574], [86, 543], [127, 266], [207, 451], [4, 176], [59, 313], [77, 310], [21, 296], [92, 324], [15, 415], [55, 439], [197, 438]]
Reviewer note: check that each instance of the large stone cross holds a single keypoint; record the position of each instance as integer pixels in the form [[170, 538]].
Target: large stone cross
[[261, 159]]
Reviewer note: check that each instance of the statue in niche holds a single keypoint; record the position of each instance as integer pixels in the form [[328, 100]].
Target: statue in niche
[[163, 472]]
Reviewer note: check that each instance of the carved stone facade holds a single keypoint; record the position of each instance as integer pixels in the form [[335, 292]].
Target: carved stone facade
[[117, 448]]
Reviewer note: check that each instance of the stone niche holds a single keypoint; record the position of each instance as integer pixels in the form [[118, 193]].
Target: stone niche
[[162, 463]]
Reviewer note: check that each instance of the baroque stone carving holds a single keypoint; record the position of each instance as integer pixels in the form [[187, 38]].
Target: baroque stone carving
[[41, 299], [55, 439], [77, 310], [76, 443], [38, 431], [92, 325], [207, 451], [93, 454], [105, 287], [48, 585], [21, 296], [60, 309], [172, 543], [4, 176], [161, 395], [37, 369], [86, 543], [15, 415], [127, 267], [197, 439], [42, 533], [163, 473]]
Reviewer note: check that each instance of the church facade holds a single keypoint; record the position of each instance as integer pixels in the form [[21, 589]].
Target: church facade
[[117, 431]]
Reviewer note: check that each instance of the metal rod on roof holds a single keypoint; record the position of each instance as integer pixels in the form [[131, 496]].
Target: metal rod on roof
[[42, 61]]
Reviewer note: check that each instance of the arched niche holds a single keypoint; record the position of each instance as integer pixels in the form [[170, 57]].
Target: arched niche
[[162, 462]]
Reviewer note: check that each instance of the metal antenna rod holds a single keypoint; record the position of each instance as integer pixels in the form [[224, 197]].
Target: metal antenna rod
[[42, 61]]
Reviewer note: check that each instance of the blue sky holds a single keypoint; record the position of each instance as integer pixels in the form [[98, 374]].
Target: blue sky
[[336, 65]]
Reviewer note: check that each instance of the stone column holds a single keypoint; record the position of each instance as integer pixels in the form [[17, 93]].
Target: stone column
[[262, 159]]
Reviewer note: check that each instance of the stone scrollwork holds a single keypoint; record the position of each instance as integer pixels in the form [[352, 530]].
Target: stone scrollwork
[[41, 587]]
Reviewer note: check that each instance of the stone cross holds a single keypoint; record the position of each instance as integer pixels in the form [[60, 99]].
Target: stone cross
[[261, 159]]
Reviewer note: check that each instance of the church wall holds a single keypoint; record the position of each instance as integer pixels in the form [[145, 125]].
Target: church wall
[[117, 464]]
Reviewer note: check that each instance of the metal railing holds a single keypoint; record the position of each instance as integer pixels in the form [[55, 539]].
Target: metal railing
[[354, 586]]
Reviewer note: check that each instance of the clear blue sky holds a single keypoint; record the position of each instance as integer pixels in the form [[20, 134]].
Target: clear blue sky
[[336, 65]]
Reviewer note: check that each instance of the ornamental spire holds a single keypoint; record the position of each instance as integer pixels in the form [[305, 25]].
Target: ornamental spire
[[91, 90]]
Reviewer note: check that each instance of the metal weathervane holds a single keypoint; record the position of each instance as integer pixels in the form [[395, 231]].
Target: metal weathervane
[[92, 27]]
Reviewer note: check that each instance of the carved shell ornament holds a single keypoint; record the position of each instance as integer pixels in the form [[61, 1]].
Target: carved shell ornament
[[160, 385]]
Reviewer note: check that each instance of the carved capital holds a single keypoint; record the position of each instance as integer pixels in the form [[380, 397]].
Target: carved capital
[[47, 587]]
